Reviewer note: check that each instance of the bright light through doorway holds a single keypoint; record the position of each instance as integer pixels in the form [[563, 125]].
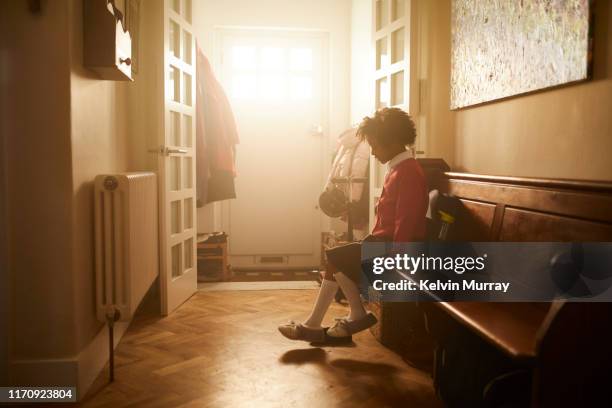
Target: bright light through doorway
[[272, 59], [271, 73], [243, 58], [301, 87], [244, 86], [301, 59]]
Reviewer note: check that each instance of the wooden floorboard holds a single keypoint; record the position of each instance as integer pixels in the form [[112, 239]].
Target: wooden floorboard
[[222, 349]]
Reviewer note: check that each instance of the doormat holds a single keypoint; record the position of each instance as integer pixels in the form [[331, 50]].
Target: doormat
[[273, 276], [228, 286]]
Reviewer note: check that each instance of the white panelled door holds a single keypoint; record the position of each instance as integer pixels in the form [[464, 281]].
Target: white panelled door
[[277, 84], [177, 159]]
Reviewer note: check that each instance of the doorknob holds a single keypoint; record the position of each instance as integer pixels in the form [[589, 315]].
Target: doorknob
[[316, 130]]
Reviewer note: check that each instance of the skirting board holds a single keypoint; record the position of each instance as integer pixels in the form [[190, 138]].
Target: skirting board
[[61, 372], [68, 372]]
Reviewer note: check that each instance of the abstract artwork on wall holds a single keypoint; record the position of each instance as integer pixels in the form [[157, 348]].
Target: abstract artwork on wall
[[501, 48]]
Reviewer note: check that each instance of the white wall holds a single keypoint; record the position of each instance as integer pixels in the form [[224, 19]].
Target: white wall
[[146, 94], [331, 16], [99, 145], [361, 72], [36, 125], [362, 60], [63, 126], [558, 133], [99, 137]]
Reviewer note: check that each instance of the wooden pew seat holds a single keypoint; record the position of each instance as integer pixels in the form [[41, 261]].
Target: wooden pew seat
[[565, 346], [511, 327]]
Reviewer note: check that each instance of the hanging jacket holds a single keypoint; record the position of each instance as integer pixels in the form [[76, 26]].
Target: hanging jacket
[[216, 137]]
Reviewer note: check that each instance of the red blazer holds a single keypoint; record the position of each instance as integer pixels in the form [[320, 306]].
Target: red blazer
[[401, 208]]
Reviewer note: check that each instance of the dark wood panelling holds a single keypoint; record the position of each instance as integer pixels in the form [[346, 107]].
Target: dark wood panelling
[[577, 203], [524, 225], [500, 209], [571, 184], [475, 220]]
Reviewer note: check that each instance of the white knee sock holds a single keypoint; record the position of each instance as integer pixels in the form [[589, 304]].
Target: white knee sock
[[327, 292], [351, 291]]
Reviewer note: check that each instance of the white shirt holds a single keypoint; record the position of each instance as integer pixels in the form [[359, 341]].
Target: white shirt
[[397, 159]]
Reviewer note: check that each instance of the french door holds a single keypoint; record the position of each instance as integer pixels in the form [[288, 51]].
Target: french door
[[395, 31], [177, 158]]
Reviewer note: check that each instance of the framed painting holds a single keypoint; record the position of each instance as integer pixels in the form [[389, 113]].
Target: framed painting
[[502, 48]]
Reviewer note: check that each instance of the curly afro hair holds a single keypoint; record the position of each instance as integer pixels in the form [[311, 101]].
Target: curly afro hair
[[388, 126]]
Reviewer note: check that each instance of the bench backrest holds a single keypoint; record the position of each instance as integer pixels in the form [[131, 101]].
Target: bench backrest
[[575, 337], [528, 209]]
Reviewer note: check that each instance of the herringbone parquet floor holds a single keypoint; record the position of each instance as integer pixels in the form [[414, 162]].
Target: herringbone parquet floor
[[222, 349]]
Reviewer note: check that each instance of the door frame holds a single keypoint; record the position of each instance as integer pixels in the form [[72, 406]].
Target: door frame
[[221, 210]]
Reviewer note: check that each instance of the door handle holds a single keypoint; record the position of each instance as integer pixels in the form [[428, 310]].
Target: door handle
[[316, 130], [170, 150]]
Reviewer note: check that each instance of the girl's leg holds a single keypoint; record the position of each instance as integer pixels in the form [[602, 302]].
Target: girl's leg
[[347, 258], [358, 319], [326, 295], [351, 291]]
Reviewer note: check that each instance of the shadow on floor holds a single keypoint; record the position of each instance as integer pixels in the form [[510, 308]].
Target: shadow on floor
[[377, 383]]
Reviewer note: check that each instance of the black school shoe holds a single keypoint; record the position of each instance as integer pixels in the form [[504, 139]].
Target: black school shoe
[[335, 341]]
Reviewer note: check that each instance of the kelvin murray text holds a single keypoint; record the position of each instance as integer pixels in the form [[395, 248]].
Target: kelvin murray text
[[439, 285]]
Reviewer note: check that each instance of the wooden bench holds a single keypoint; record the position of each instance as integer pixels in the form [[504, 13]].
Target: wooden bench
[[567, 346]]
